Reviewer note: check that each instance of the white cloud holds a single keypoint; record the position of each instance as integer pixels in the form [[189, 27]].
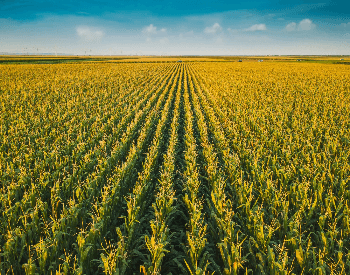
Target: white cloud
[[304, 25], [253, 28], [89, 34], [216, 28], [151, 29], [291, 27], [257, 27]]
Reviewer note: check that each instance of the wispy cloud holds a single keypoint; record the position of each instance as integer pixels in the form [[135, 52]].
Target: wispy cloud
[[291, 27], [151, 29], [7, 22], [219, 40], [89, 33], [257, 27], [164, 40], [253, 28], [216, 28], [345, 25], [304, 25], [186, 34], [233, 30]]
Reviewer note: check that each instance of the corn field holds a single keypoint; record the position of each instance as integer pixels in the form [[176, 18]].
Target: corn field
[[175, 168]]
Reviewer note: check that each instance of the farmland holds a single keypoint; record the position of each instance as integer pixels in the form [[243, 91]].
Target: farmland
[[166, 167]]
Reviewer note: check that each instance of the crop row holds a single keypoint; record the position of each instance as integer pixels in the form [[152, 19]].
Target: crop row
[[185, 168]]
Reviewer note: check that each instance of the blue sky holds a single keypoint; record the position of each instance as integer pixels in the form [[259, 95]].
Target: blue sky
[[176, 27]]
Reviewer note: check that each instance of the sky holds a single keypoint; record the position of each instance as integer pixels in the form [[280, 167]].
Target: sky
[[176, 27]]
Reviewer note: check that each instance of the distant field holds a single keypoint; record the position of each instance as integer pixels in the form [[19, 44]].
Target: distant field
[[50, 59], [144, 165]]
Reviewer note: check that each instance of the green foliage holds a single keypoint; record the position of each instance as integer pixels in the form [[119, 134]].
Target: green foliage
[[186, 168]]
